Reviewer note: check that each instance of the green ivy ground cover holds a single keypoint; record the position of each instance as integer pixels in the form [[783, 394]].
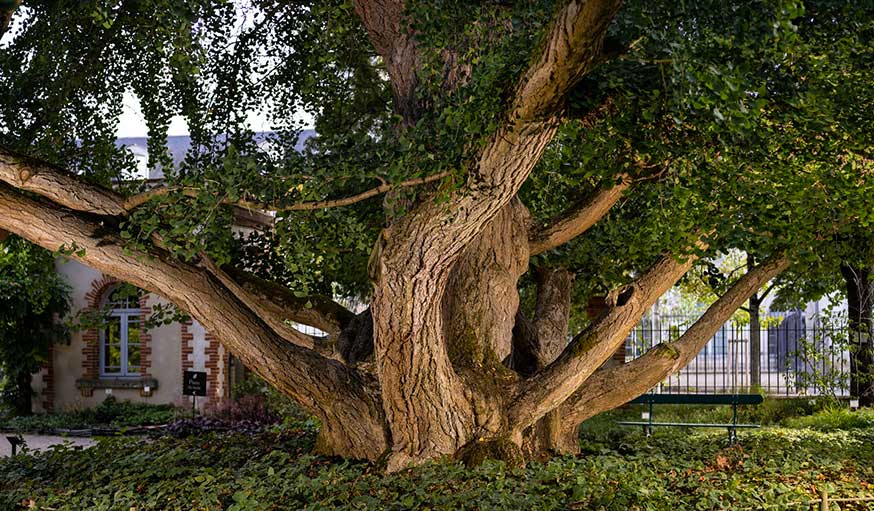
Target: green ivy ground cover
[[619, 469]]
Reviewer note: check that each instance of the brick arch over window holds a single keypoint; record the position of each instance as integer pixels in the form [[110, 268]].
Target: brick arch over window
[[100, 288]]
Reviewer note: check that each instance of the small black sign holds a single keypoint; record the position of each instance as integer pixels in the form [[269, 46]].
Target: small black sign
[[194, 383]]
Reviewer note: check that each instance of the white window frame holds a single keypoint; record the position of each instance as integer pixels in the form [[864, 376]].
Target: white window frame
[[124, 315]]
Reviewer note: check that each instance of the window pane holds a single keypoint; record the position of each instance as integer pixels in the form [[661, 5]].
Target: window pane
[[112, 358], [124, 297], [112, 346], [133, 358], [133, 331]]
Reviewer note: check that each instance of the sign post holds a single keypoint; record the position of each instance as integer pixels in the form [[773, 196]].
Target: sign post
[[194, 384]]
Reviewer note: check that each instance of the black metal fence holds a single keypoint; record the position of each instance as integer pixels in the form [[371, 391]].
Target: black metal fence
[[799, 355]]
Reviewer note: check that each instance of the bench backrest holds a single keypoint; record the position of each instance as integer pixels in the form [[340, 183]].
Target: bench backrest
[[699, 399]]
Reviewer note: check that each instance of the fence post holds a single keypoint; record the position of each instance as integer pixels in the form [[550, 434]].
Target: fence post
[[823, 502]]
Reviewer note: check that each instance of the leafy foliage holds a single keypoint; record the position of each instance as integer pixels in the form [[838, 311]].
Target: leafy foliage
[[32, 299], [275, 470], [746, 120]]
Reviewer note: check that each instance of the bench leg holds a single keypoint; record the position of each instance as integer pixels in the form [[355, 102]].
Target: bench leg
[[648, 429], [732, 432]]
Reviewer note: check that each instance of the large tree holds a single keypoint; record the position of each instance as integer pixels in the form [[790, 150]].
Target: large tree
[[459, 144]]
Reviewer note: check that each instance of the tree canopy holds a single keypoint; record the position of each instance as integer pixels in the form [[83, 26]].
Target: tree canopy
[[728, 120]]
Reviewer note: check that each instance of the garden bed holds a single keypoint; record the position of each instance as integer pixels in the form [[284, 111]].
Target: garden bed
[[109, 417], [619, 469]]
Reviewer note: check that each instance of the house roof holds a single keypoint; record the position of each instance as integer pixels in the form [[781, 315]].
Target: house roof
[[179, 145]]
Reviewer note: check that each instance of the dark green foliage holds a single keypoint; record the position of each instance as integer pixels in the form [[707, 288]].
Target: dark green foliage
[[672, 470], [32, 300], [748, 118]]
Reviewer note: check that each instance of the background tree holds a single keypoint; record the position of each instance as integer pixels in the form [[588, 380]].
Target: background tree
[[33, 299], [609, 146]]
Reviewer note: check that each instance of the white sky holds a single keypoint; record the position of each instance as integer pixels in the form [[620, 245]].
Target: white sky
[[132, 123]]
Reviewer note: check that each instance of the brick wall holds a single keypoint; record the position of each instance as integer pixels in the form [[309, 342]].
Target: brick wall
[[91, 336], [215, 363], [187, 346]]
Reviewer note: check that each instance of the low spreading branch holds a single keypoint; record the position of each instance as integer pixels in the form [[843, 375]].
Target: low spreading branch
[[72, 192], [619, 384], [315, 310], [593, 346], [576, 220], [326, 387], [267, 310], [57, 185]]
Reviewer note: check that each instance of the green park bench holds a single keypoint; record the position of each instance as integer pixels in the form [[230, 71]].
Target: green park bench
[[695, 399]]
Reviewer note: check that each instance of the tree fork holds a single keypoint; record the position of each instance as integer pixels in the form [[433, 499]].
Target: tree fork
[[549, 388], [551, 314], [611, 386]]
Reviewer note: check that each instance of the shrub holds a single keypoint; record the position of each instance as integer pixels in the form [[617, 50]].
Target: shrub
[[109, 413], [247, 407], [835, 418]]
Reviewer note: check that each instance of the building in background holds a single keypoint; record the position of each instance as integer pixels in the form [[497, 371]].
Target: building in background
[[123, 358]]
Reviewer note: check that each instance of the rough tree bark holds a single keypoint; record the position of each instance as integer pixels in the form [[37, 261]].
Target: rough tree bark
[[549, 338], [443, 363], [860, 305]]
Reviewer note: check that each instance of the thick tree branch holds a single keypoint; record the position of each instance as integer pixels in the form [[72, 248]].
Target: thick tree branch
[[594, 345], [70, 191], [386, 26], [571, 49], [265, 309], [57, 185], [551, 312], [322, 313], [324, 386], [610, 386], [576, 220]]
